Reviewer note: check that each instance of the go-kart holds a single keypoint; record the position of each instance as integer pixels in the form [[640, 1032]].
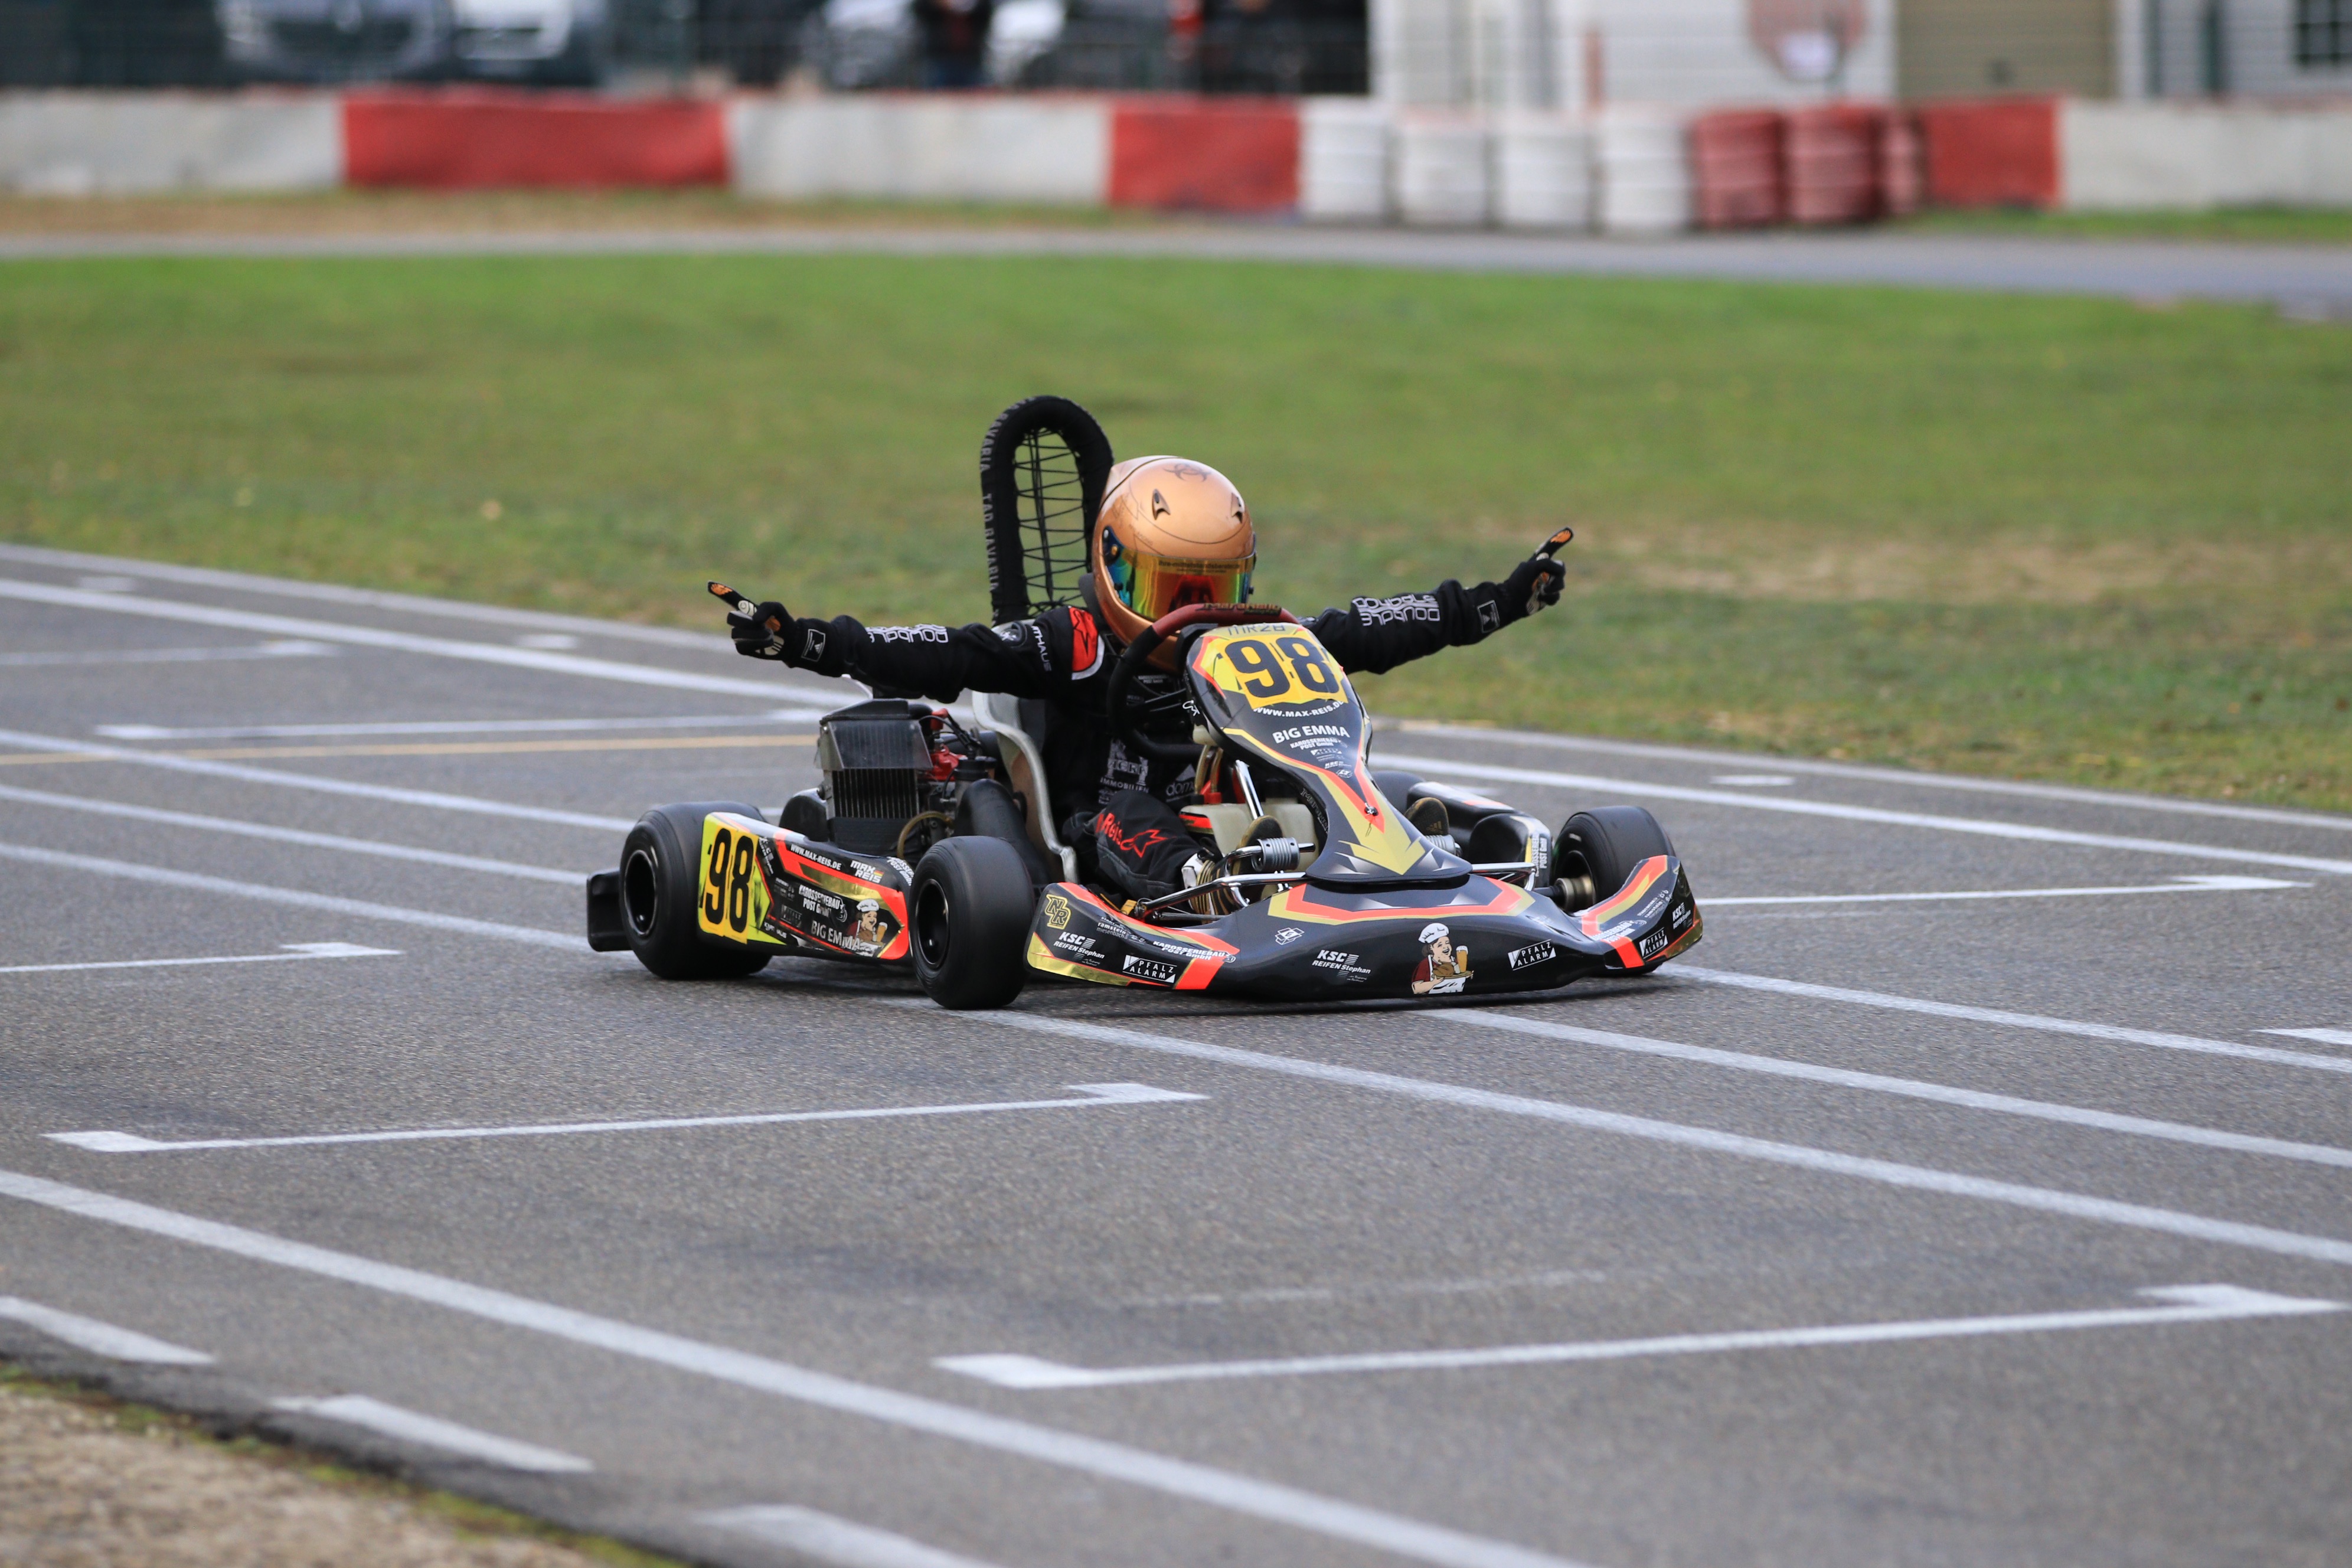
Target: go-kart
[[929, 848]]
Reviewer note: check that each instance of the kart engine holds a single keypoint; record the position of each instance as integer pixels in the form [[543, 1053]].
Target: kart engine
[[894, 773]]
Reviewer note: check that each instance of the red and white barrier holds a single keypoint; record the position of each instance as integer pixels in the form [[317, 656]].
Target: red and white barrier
[[912, 147], [129, 143], [2128, 156], [483, 140], [1625, 169]]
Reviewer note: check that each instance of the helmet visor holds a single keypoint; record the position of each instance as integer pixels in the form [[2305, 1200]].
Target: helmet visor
[[1151, 585]]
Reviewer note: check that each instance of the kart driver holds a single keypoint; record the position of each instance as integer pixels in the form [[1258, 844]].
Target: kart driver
[[1170, 532]]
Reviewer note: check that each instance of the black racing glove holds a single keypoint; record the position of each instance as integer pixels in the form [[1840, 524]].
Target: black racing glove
[[1534, 584], [764, 633], [770, 631]]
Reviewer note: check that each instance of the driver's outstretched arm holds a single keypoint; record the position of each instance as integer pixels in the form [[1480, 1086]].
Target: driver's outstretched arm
[[1377, 634], [1024, 658]]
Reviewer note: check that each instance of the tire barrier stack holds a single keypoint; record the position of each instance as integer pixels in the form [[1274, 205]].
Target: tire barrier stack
[[1625, 169]]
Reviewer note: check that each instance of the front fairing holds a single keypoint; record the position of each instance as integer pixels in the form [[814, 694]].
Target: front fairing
[[1310, 943]]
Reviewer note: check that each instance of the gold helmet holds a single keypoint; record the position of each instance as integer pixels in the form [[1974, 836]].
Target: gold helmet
[[1170, 532]]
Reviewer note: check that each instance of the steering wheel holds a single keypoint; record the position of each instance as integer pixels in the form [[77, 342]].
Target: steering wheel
[[1174, 624]]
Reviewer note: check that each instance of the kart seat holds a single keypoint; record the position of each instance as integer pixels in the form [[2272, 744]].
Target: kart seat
[[1020, 726]]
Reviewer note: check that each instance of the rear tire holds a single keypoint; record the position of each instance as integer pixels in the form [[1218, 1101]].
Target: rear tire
[[660, 885], [1596, 850], [969, 908]]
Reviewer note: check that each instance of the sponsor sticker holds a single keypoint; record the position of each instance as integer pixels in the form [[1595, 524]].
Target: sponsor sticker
[[1445, 969], [1533, 953], [1057, 912], [1340, 965], [1070, 942], [1651, 943], [1155, 971], [1404, 607], [1288, 935], [1681, 917]]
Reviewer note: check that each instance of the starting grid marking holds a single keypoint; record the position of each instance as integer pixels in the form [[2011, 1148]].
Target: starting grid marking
[[431, 800], [432, 1432], [288, 647], [1980, 826], [335, 841], [1094, 1096], [100, 1337], [295, 952], [2206, 884], [453, 727], [2185, 1304]]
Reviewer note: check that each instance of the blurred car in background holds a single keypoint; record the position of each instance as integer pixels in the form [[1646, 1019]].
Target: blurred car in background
[[857, 44], [550, 41], [558, 42], [335, 40]]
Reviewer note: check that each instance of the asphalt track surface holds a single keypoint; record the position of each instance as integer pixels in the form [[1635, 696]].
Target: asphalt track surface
[[2311, 281], [1969, 1196]]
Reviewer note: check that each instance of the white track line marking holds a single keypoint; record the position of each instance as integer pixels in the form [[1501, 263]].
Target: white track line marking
[[404, 604], [334, 841], [297, 899], [544, 662], [453, 726], [1981, 827], [1963, 781], [98, 1337], [2191, 1304], [296, 950], [2325, 1036], [1909, 1089], [1915, 1178], [1753, 781], [2223, 884], [432, 1432], [432, 799], [283, 648], [822, 1538], [1183, 1479], [1097, 1094], [2155, 1037]]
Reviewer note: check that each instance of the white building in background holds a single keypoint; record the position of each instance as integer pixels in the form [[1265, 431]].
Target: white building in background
[[1577, 54]]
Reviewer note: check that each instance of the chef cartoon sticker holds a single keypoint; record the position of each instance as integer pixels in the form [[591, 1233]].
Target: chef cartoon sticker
[[1445, 968]]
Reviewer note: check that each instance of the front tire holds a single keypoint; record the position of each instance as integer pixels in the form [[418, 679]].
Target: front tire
[[660, 885], [969, 908], [1596, 850]]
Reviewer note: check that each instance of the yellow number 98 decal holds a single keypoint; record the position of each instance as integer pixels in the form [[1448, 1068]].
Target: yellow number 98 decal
[[1280, 671], [732, 901]]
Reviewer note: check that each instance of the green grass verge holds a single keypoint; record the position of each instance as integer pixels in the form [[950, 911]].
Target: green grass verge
[[470, 1516], [2278, 225], [2040, 537]]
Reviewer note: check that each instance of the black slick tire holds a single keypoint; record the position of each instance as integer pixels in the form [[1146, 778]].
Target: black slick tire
[[660, 883], [1604, 845], [970, 907]]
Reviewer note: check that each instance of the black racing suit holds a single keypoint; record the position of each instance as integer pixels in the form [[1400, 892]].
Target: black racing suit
[[1118, 809]]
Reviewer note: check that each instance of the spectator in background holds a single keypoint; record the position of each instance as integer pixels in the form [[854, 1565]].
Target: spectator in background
[[955, 41]]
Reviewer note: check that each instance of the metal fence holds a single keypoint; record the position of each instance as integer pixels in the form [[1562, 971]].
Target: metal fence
[[1231, 46]]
